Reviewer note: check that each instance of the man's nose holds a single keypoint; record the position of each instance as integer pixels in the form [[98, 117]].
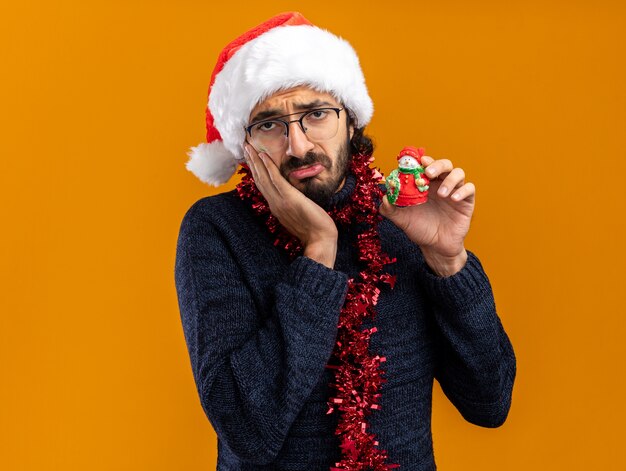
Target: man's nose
[[298, 143]]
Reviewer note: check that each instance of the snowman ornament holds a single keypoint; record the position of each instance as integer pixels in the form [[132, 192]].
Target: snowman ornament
[[408, 185]]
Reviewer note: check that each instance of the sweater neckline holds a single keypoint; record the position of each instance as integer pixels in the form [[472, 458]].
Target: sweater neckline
[[342, 197]]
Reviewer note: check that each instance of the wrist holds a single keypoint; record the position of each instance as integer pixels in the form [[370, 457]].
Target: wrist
[[445, 265], [323, 251]]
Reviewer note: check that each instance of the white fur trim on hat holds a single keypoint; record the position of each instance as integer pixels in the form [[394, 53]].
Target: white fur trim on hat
[[211, 162], [282, 58]]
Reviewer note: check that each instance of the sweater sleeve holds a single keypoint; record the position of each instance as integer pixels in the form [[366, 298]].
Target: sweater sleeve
[[476, 364], [253, 373]]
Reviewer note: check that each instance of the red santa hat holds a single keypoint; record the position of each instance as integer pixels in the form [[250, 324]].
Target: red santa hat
[[415, 152], [284, 52]]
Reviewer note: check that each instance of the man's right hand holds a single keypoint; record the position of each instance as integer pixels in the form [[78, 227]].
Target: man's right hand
[[298, 214]]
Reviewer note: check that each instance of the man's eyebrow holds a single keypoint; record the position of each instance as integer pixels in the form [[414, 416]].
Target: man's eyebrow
[[260, 116], [313, 104]]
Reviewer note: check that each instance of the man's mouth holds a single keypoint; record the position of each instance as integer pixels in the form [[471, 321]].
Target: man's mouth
[[307, 172]]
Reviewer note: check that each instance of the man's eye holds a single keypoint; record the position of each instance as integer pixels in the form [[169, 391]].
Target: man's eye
[[317, 114], [267, 126]]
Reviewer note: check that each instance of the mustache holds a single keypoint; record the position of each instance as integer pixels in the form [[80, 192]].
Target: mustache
[[309, 158]]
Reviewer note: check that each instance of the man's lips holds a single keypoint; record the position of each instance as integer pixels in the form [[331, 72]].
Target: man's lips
[[307, 172]]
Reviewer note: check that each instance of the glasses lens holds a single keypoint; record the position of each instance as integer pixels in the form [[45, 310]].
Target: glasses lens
[[321, 124], [268, 135]]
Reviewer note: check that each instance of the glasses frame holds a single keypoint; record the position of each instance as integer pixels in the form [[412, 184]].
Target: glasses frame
[[249, 127]]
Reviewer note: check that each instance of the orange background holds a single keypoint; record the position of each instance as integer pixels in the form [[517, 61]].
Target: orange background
[[100, 102]]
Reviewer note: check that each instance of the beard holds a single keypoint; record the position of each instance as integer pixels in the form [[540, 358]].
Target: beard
[[320, 192]]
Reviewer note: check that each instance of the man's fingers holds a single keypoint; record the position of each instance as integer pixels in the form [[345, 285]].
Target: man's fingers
[[400, 217], [427, 160], [261, 175], [454, 179], [277, 178], [466, 191], [250, 163], [438, 167], [386, 208]]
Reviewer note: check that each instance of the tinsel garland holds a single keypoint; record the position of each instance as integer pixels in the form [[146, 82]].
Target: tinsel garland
[[358, 375]]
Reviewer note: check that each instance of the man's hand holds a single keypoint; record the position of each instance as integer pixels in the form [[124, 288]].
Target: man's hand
[[298, 214], [440, 225]]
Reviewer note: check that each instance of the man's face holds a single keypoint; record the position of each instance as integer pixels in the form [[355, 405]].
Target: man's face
[[316, 168]]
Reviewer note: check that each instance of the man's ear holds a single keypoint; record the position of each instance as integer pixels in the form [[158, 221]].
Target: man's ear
[[351, 131]]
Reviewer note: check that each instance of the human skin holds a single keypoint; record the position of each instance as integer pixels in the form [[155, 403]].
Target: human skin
[[438, 227]]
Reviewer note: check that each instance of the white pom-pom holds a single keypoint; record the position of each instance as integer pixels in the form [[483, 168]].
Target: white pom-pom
[[211, 163]]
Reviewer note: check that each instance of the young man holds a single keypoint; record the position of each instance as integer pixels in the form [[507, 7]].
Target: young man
[[316, 327]]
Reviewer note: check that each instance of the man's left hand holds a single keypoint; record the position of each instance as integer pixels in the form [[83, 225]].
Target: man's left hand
[[440, 225]]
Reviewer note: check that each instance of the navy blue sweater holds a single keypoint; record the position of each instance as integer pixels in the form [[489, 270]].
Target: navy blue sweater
[[260, 329]]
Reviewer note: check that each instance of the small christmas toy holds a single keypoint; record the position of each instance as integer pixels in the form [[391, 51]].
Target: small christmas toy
[[408, 185]]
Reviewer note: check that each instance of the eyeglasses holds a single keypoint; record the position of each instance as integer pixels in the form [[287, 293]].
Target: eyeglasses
[[319, 124]]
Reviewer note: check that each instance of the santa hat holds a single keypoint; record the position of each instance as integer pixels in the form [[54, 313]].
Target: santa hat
[[415, 152], [284, 52]]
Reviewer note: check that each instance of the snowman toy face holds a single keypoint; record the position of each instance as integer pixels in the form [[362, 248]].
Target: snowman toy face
[[406, 161]]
